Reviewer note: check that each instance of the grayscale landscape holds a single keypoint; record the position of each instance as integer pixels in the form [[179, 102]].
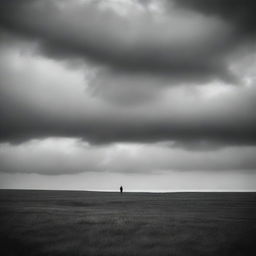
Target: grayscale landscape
[[148, 103], [107, 223]]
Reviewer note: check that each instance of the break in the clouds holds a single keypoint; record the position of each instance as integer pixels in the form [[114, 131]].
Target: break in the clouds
[[127, 86]]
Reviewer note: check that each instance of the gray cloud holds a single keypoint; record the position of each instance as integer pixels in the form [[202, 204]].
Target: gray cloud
[[30, 109], [69, 156], [180, 45], [127, 92], [133, 56], [239, 13]]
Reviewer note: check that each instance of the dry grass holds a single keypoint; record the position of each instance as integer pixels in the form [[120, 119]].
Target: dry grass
[[93, 223]]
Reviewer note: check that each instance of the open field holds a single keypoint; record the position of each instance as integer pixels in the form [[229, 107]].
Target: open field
[[97, 223]]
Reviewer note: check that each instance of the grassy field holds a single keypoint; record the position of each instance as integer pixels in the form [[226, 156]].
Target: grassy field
[[96, 223]]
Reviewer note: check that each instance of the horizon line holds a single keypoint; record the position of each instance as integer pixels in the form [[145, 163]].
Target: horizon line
[[142, 191]]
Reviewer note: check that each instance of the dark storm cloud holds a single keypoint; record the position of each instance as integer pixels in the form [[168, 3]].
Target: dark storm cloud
[[20, 122], [133, 44], [125, 47], [42, 99], [241, 14]]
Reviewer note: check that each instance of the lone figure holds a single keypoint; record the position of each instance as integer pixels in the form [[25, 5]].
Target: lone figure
[[121, 190]]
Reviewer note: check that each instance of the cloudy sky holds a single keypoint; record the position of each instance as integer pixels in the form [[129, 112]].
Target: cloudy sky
[[154, 95]]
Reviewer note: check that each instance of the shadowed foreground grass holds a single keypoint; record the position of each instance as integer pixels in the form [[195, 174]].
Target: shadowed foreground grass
[[96, 223]]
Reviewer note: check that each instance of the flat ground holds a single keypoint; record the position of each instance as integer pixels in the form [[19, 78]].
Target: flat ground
[[96, 223]]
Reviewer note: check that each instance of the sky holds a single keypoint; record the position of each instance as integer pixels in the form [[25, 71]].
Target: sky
[[153, 95]]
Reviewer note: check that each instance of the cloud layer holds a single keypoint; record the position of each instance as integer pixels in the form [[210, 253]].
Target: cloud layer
[[64, 156], [44, 98], [179, 44], [172, 82]]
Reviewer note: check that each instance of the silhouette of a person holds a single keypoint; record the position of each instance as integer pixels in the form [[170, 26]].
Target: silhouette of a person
[[121, 190]]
